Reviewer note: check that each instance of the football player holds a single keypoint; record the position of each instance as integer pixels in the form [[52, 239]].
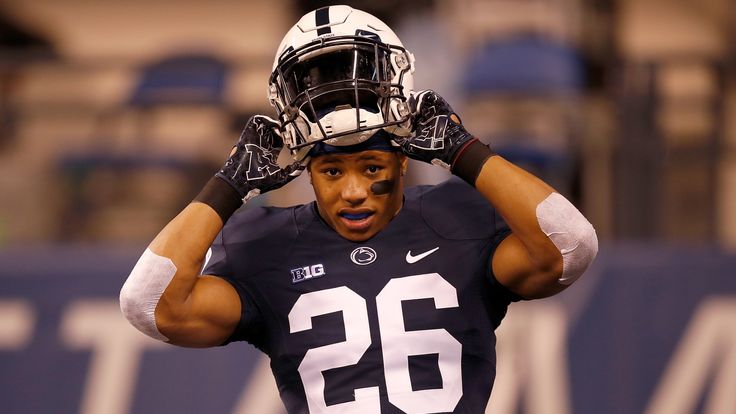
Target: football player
[[375, 298]]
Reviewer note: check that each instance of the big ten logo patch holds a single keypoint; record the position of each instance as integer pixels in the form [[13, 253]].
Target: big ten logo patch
[[301, 274]]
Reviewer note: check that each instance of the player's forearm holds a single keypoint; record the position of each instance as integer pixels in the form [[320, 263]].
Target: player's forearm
[[516, 194], [554, 242], [185, 241], [156, 294]]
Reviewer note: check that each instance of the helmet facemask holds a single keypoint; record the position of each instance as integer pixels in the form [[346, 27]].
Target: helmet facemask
[[340, 90]]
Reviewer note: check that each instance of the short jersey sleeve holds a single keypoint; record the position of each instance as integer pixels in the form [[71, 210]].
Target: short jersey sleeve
[[216, 259], [501, 295], [217, 264]]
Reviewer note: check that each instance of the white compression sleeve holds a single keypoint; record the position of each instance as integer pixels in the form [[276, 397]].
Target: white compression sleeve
[[143, 289], [571, 233]]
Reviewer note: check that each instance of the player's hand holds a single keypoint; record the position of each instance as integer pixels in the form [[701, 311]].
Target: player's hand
[[437, 132], [251, 168]]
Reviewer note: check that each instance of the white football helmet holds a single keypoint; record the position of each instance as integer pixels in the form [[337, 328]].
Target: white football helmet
[[340, 74]]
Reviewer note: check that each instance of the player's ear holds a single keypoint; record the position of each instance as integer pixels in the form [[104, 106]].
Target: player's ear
[[403, 163], [309, 172]]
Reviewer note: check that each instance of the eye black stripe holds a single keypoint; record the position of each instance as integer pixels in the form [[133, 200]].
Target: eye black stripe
[[322, 17]]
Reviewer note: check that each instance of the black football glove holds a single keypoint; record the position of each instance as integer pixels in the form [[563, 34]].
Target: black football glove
[[438, 137], [251, 168]]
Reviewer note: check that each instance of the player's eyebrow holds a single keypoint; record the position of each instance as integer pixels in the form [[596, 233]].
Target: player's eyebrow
[[370, 157], [328, 159], [333, 159]]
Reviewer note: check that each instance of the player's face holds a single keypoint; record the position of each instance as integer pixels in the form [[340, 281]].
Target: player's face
[[358, 194]]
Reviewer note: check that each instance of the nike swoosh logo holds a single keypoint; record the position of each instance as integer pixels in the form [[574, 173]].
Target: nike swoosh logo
[[413, 259]]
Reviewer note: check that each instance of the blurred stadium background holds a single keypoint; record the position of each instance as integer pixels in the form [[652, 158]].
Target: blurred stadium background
[[113, 115]]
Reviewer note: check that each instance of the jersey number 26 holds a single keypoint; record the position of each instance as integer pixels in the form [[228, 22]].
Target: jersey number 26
[[396, 342]]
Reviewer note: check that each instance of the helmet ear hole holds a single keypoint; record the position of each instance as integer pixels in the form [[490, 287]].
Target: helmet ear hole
[[402, 61]]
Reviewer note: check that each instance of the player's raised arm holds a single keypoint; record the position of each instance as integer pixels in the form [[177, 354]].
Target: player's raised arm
[[552, 243], [165, 297]]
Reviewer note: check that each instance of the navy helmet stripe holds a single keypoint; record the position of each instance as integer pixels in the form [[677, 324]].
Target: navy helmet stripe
[[322, 17]]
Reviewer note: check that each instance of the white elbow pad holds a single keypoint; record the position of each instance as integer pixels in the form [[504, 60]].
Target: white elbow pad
[[571, 233], [143, 289]]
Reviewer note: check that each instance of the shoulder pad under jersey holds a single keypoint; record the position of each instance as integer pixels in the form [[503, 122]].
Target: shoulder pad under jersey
[[457, 211], [256, 223]]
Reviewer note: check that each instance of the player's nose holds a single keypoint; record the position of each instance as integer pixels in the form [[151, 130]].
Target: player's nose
[[355, 190]]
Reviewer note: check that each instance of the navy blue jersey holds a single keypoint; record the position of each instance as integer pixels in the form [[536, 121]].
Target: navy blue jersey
[[403, 322]]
